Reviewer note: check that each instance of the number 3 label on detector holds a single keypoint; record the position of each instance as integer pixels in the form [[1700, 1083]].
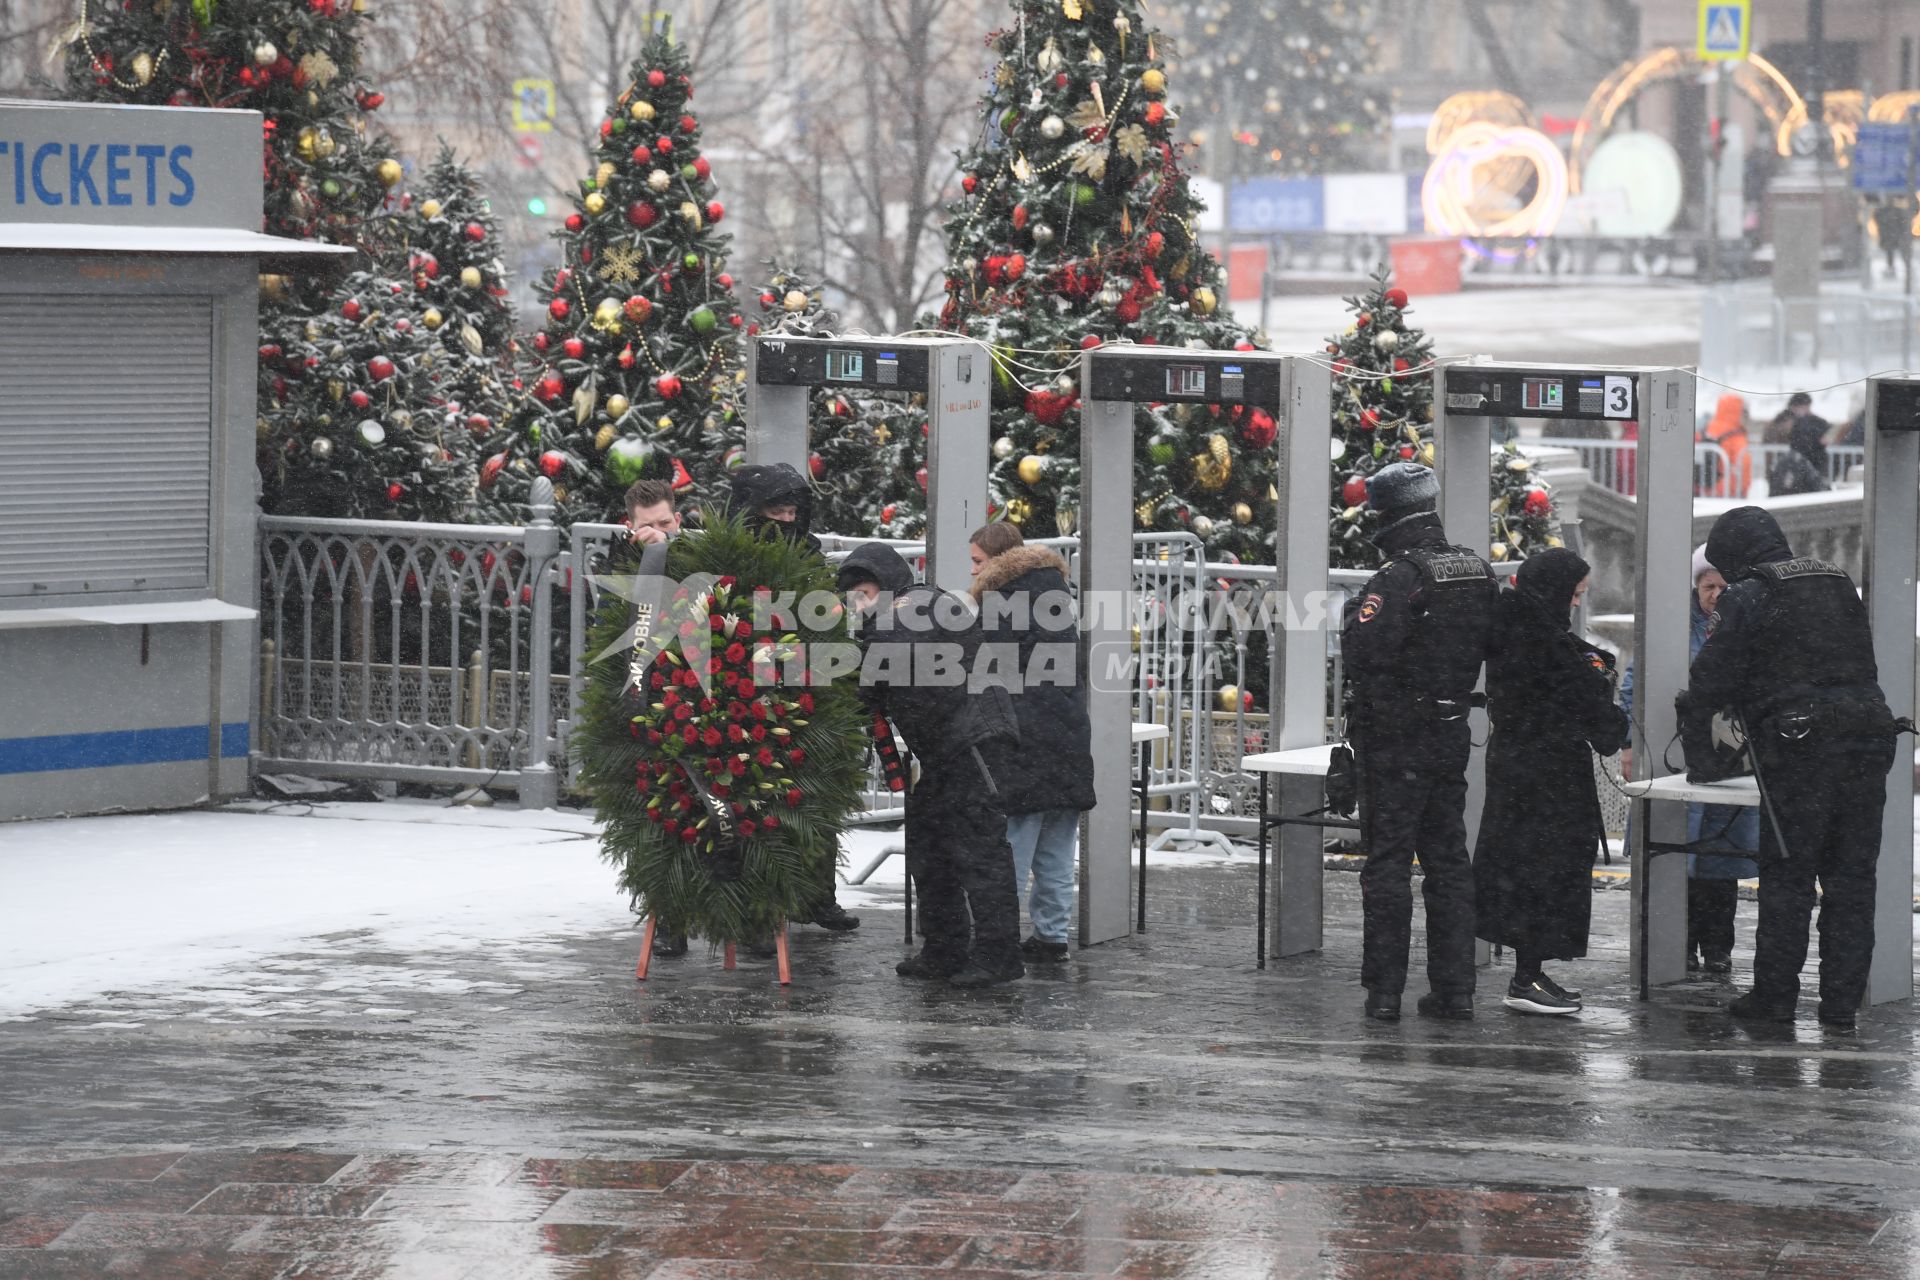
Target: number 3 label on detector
[[1618, 397]]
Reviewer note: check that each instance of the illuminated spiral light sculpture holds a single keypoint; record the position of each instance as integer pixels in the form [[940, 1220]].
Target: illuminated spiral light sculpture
[[1461, 196]]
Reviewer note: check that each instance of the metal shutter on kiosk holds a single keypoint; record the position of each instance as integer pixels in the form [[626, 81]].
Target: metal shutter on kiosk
[[106, 444]]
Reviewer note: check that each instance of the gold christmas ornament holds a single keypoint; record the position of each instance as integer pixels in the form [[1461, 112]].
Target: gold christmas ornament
[[1031, 469], [596, 204], [603, 174], [1554, 542], [641, 109], [690, 214], [273, 288], [432, 318], [470, 277], [1519, 465], [303, 142], [143, 67], [1497, 552], [659, 180], [1426, 455], [1242, 513], [1204, 301], [337, 390], [1153, 81], [429, 208], [1229, 697], [606, 316], [605, 437], [665, 423], [617, 406], [1019, 510], [795, 301], [389, 170]]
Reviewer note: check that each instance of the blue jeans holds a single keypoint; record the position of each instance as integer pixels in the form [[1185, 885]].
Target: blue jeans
[[1043, 847]]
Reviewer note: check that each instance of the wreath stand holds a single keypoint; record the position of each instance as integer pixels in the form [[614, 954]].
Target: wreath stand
[[782, 970]]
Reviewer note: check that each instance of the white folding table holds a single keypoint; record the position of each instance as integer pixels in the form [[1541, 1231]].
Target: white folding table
[[1652, 935], [1312, 762]]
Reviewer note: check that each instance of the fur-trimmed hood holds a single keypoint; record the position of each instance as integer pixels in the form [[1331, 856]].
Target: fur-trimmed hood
[[1009, 566]]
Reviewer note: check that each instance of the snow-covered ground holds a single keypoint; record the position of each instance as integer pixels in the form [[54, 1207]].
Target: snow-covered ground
[[214, 902]]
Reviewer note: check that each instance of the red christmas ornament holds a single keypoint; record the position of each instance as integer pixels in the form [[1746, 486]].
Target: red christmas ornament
[[403, 325], [1061, 81], [1406, 453], [1156, 244], [668, 385], [968, 183], [1354, 491], [920, 478], [1363, 320], [817, 466], [359, 399], [1019, 217], [1243, 345], [1260, 430], [1155, 113], [1088, 341], [642, 154], [887, 512], [664, 146], [478, 423], [552, 463], [559, 308], [724, 280], [1400, 365], [1016, 267], [606, 128], [688, 124], [476, 232], [1397, 297], [715, 211], [656, 78], [380, 368], [1537, 502], [575, 222], [371, 101], [767, 301], [1369, 419], [550, 387], [541, 342], [396, 491], [626, 358], [351, 309], [642, 215], [681, 480], [1128, 311], [638, 308], [574, 348]]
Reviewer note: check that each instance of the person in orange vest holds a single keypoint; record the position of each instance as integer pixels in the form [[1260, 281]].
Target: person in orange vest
[[1728, 429]]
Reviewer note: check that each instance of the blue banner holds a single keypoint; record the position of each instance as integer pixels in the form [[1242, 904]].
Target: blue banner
[[1279, 204], [1883, 158]]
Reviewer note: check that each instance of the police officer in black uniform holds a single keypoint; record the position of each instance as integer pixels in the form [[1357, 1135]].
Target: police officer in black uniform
[[1790, 651], [1415, 640]]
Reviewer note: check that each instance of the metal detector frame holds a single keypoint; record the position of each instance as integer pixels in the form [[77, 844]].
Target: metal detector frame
[[1473, 392], [1892, 560], [782, 371], [1295, 390]]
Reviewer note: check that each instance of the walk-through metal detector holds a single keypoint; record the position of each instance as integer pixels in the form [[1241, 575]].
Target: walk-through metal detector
[[1893, 524], [1294, 389], [1661, 402], [781, 371]]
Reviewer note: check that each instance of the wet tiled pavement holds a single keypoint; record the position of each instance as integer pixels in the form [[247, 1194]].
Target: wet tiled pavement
[[320, 1216], [1156, 1107]]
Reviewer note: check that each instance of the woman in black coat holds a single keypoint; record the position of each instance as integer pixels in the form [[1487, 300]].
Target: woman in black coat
[[1550, 697], [1046, 780]]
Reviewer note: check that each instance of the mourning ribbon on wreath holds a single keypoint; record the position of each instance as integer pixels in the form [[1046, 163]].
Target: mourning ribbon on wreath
[[723, 859], [648, 579]]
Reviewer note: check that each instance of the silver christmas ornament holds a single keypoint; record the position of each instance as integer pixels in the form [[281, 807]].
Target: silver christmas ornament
[[321, 448], [1052, 127], [372, 433], [1003, 447], [1042, 233]]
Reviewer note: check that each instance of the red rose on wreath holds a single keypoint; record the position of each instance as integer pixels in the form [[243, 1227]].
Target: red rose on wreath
[[673, 827], [759, 733], [794, 797], [743, 629], [806, 703], [797, 756], [737, 767], [689, 835], [770, 822], [736, 734], [765, 756], [690, 735], [747, 828], [736, 652], [711, 737]]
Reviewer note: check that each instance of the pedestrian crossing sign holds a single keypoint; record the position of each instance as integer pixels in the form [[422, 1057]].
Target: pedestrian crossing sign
[[1726, 30]]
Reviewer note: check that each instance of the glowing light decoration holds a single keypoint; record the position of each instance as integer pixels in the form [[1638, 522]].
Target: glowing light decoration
[[1489, 106], [1756, 78], [1460, 199]]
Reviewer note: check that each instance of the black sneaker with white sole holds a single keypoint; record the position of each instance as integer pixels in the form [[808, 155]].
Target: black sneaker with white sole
[[1565, 993], [1533, 997]]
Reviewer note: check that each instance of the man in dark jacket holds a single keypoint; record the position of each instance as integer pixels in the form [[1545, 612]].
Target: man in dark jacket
[[1415, 640], [919, 644], [1790, 651], [774, 497]]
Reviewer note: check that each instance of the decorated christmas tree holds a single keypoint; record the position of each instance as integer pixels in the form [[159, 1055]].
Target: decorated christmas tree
[[1076, 228], [723, 777], [364, 430], [1280, 84], [861, 456], [1383, 413], [634, 373], [295, 61], [450, 244]]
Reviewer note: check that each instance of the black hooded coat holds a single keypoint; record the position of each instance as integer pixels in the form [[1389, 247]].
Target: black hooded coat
[[758, 486], [1550, 698], [917, 629], [1027, 619]]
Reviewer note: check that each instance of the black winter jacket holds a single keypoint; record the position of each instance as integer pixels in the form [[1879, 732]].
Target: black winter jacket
[[1031, 639], [919, 648]]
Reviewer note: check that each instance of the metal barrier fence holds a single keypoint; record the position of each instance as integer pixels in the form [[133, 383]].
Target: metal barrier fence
[[441, 653], [1846, 335], [1611, 464]]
